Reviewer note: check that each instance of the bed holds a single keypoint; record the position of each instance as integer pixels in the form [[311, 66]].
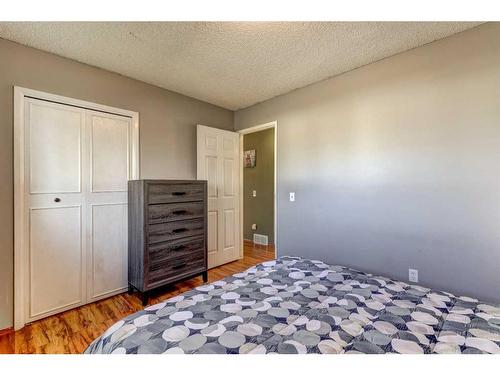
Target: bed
[[296, 305]]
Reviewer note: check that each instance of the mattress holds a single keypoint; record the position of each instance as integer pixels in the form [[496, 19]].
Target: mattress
[[296, 305]]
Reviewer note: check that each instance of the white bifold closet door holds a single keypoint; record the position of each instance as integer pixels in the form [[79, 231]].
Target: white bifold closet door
[[77, 163]]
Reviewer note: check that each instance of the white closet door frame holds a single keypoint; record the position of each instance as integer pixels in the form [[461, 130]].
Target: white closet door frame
[[21, 208]]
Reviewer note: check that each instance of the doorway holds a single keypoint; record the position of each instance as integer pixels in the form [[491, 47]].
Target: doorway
[[258, 149]]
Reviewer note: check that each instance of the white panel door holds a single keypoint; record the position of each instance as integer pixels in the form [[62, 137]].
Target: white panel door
[[54, 172], [77, 163], [217, 162], [109, 160]]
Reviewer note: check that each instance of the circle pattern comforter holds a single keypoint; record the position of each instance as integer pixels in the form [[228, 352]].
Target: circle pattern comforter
[[295, 305]]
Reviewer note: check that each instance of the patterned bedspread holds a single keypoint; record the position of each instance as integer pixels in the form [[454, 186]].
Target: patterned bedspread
[[295, 305]]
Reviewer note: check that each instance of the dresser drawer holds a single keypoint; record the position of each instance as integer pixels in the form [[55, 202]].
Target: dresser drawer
[[161, 213], [162, 193], [174, 230], [172, 249], [174, 269]]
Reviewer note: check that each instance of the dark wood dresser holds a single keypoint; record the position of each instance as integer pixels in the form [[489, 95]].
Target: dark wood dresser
[[167, 233]]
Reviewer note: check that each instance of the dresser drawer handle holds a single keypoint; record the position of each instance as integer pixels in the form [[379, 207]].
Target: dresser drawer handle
[[180, 230], [179, 193], [179, 212], [178, 247], [177, 266]]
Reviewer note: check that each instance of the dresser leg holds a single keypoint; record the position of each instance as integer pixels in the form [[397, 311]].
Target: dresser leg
[[144, 298], [204, 275], [130, 289]]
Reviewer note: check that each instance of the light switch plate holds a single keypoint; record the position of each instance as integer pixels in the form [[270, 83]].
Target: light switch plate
[[292, 197], [413, 275]]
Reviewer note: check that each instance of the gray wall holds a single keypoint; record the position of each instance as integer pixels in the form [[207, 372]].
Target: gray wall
[[259, 209], [167, 128], [397, 165]]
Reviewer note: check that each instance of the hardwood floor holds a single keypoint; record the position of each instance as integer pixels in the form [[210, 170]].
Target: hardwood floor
[[72, 331]]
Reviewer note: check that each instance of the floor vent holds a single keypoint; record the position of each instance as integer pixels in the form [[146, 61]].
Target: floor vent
[[260, 239]]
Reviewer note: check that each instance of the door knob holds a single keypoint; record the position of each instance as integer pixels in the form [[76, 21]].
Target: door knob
[[57, 200]]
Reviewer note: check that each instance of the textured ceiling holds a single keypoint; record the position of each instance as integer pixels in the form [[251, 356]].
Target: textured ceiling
[[230, 64]]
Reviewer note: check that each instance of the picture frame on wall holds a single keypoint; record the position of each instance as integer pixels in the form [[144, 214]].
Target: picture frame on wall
[[249, 159]]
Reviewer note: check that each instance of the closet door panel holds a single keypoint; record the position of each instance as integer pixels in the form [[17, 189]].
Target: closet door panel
[[54, 175], [109, 155], [108, 249], [55, 259], [55, 140]]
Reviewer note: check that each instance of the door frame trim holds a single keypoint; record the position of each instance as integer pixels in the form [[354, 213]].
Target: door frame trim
[[21, 221], [254, 129]]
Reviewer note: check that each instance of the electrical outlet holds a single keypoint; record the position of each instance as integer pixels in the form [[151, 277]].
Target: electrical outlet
[[413, 275], [292, 197], [254, 193], [254, 226]]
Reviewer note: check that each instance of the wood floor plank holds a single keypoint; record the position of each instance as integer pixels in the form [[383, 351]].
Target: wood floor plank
[[72, 331]]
